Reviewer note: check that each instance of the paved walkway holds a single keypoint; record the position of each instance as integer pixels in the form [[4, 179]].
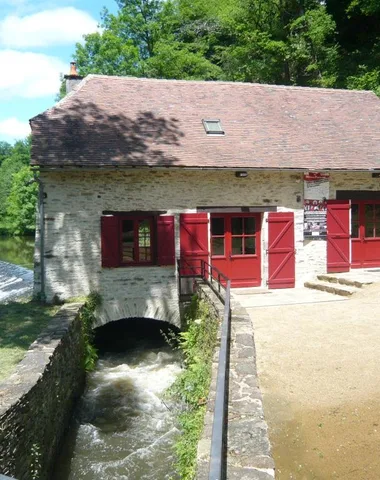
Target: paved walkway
[[318, 359], [15, 281]]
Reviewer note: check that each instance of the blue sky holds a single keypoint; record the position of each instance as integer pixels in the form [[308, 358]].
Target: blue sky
[[37, 41]]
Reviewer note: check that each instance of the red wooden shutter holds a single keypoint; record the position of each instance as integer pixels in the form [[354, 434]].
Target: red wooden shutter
[[281, 253], [193, 240], [110, 237], [338, 236], [165, 240]]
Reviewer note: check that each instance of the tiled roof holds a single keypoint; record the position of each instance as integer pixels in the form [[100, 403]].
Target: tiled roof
[[124, 121]]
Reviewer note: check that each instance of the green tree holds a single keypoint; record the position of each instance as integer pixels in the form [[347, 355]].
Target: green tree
[[146, 38], [331, 43], [8, 168], [5, 151], [17, 157], [21, 202], [312, 50]]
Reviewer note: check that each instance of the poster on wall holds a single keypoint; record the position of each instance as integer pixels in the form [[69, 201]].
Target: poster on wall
[[315, 219], [316, 191]]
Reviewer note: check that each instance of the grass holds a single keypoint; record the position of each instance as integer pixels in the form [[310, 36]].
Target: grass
[[20, 324]]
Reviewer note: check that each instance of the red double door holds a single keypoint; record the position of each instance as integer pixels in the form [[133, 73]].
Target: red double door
[[235, 246], [359, 248], [365, 234]]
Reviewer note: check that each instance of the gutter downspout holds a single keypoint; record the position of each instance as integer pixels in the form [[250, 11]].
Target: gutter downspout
[[42, 236]]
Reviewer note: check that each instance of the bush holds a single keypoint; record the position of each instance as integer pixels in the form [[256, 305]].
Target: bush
[[191, 387]]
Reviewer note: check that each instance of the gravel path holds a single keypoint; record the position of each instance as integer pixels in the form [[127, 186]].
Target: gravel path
[[15, 282], [319, 371]]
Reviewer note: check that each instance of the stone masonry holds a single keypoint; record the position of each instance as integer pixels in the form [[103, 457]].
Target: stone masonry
[[248, 447], [36, 402], [315, 251], [74, 204]]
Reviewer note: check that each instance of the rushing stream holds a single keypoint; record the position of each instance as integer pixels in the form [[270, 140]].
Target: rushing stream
[[123, 429]]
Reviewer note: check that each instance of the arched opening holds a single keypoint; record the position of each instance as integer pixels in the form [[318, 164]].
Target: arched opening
[[132, 333]]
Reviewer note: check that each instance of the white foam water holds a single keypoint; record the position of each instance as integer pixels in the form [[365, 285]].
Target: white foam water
[[124, 429]]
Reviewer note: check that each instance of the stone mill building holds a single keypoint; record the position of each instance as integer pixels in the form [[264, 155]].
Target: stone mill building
[[271, 184]]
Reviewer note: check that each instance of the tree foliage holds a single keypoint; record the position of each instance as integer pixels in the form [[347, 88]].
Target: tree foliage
[[21, 202], [17, 198], [334, 43]]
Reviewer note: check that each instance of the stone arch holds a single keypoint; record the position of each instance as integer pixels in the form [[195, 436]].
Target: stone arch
[[154, 308]]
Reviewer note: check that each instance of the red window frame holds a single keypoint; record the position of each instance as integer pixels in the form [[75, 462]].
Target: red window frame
[[228, 236], [136, 221], [161, 234]]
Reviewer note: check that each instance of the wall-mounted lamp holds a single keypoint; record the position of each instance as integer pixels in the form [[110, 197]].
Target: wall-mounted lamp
[[241, 174]]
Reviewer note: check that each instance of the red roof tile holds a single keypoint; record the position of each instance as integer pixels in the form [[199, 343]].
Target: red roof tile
[[127, 121]]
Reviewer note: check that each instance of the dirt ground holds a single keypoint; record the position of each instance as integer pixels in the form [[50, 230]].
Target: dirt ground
[[319, 371]]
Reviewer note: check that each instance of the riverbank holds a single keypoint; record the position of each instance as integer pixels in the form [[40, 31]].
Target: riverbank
[[20, 324]]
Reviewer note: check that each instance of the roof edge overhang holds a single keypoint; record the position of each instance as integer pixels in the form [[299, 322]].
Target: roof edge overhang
[[95, 167]]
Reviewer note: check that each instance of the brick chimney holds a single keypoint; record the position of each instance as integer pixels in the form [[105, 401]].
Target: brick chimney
[[72, 79]]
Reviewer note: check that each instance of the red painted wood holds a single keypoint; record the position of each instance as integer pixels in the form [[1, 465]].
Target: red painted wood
[[165, 240], [365, 250], [193, 240], [110, 241], [281, 253], [338, 236], [243, 270]]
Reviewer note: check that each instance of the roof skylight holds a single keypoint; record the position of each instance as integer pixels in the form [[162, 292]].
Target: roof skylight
[[213, 127]]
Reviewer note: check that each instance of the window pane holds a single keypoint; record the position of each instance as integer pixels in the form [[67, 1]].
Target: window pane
[[369, 230], [213, 126], [237, 226], [355, 230], [217, 226], [144, 241], [369, 211], [128, 241], [377, 213], [354, 213], [377, 230], [249, 226], [250, 245], [237, 246], [218, 246]]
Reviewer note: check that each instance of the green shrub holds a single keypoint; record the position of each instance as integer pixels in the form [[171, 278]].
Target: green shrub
[[191, 387], [87, 317]]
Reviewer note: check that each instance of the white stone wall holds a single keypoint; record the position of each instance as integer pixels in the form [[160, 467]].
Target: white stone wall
[[352, 181], [74, 204]]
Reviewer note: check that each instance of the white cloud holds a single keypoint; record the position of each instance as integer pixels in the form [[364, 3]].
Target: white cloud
[[59, 26], [14, 128], [29, 75]]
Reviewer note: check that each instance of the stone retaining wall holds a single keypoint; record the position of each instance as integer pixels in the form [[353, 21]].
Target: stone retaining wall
[[248, 448], [36, 402]]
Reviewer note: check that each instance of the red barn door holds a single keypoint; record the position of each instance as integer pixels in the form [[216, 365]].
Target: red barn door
[[193, 241], [338, 236], [281, 253]]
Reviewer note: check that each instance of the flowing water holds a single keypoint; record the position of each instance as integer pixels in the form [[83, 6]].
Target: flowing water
[[123, 429]]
